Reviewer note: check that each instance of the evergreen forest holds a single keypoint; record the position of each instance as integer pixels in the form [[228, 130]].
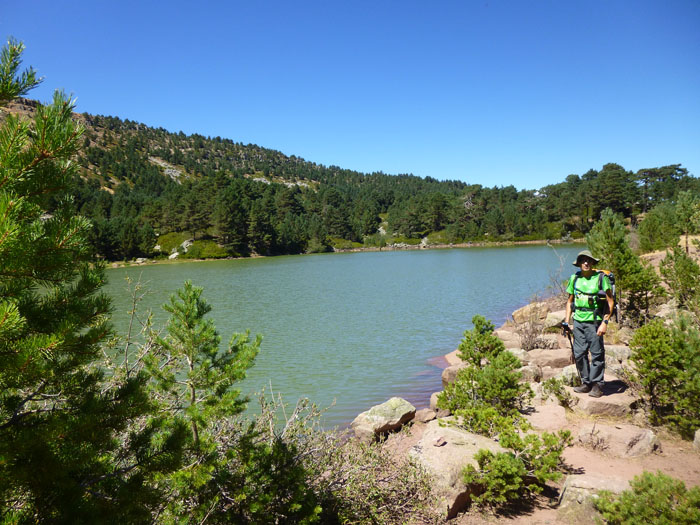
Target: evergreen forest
[[147, 190]]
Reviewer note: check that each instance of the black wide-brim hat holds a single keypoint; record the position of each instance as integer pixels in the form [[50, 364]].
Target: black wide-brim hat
[[584, 253]]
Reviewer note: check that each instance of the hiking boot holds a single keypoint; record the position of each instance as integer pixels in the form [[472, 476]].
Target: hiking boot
[[583, 389], [596, 391]]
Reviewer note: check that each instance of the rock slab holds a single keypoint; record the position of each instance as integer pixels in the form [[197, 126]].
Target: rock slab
[[623, 441], [578, 493], [444, 451], [380, 419]]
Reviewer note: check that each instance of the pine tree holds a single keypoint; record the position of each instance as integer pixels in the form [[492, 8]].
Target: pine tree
[[63, 453]]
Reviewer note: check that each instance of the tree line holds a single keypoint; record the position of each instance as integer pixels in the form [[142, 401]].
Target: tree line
[[136, 183]]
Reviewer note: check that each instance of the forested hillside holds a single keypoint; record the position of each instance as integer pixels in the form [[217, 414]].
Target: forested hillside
[[144, 187]]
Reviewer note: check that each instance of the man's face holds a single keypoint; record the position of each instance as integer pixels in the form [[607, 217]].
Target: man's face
[[586, 263]]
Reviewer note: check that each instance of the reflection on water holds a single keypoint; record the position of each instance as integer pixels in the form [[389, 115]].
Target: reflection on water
[[355, 328]]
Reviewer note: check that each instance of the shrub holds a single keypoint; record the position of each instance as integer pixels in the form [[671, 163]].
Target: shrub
[[682, 275], [506, 476], [171, 241], [205, 250], [479, 343], [353, 482], [652, 498], [667, 373], [555, 388], [343, 244]]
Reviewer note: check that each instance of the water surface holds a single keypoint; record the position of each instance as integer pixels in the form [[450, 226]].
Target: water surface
[[356, 328]]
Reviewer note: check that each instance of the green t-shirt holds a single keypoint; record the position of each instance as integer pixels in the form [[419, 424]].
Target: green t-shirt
[[583, 310]]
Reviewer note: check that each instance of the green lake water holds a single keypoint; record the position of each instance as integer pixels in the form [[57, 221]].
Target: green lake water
[[355, 328]]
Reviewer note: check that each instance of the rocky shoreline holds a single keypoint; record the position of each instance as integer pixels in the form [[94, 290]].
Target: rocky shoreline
[[612, 441]]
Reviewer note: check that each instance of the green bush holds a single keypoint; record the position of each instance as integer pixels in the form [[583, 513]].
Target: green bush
[[400, 239], [652, 498], [205, 250], [667, 373], [659, 229], [344, 244], [682, 275], [172, 241], [507, 476]]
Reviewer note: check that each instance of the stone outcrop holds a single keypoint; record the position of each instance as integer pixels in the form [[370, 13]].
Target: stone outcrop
[[441, 412], [623, 441], [696, 441], [531, 312], [444, 451], [380, 419], [578, 493]]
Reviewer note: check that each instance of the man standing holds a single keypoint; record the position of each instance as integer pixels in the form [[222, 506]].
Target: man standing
[[590, 322]]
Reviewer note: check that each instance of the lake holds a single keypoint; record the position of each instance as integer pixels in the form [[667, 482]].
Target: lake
[[354, 328]]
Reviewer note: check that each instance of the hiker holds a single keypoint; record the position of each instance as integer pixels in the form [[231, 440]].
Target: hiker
[[590, 321]]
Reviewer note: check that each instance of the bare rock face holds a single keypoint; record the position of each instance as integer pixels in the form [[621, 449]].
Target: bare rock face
[[623, 441], [380, 419], [549, 418], [531, 312], [444, 451], [449, 374], [696, 441], [579, 491]]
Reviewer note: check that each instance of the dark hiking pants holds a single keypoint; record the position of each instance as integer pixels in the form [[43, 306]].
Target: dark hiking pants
[[587, 340]]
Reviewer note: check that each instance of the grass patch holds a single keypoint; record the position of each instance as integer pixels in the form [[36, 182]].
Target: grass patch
[[171, 241], [439, 237], [205, 250], [400, 239], [343, 244]]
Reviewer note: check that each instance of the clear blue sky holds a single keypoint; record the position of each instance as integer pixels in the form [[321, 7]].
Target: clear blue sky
[[495, 92]]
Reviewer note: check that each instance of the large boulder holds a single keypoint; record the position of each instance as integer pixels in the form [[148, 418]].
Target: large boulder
[[536, 312], [380, 419], [521, 354], [558, 358], [449, 374], [619, 353], [530, 374], [569, 376], [510, 339], [579, 492], [554, 319], [453, 358], [623, 441], [444, 451], [441, 412]]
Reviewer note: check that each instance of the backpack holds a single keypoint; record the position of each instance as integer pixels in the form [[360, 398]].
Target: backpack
[[599, 299]]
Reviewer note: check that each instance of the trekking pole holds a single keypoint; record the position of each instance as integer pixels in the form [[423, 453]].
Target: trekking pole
[[566, 329]]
